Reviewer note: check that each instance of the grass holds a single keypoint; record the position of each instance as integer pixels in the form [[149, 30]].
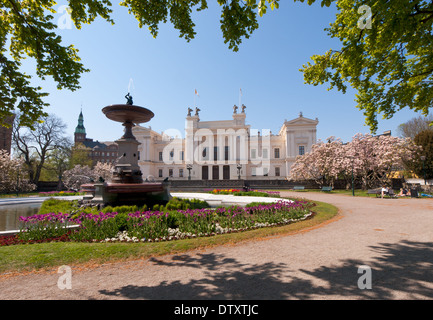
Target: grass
[[44, 256], [358, 192], [20, 195]]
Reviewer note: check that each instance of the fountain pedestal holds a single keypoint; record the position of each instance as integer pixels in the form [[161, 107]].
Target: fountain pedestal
[[127, 169]]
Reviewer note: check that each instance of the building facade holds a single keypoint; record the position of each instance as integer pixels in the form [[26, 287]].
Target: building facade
[[224, 149], [105, 152]]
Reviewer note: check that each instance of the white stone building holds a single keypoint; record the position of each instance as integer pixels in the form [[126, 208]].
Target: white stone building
[[224, 149]]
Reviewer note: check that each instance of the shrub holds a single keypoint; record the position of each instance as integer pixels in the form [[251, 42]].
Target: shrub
[[183, 204], [54, 205]]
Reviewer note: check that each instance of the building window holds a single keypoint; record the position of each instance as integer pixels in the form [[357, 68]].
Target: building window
[[226, 153], [160, 173], [215, 153], [277, 171], [204, 154], [277, 153], [301, 150], [181, 173], [170, 173], [253, 153], [265, 153], [171, 155], [265, 171], [253, 171], [182, 155], [160, 156]]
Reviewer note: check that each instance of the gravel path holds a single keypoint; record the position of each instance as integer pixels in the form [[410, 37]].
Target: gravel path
[[394, 237]]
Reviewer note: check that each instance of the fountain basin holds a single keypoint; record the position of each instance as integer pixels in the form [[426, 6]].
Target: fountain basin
[[128, 113], [115, 194]]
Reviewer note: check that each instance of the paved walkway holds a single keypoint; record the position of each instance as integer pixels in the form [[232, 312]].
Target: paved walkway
[[394, 237]]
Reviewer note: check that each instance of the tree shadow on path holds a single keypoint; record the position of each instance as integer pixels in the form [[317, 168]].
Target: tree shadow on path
[[403, 268]]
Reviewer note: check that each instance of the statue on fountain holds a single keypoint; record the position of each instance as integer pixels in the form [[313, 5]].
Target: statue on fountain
[[129, 99]]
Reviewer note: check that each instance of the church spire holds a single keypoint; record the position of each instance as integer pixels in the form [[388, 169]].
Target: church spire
[[80, 131], [80, 127]]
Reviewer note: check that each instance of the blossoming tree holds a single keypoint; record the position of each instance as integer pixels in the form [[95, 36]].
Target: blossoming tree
[[11, 177], [371, 159], [79, 175], [320, 164]]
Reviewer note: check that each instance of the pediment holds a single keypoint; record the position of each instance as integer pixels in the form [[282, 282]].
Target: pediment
[[302, 121]]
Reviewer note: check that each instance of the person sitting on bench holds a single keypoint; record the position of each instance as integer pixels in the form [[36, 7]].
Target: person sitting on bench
[[384, 191], [404, 192]]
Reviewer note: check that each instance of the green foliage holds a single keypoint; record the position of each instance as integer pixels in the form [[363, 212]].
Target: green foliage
[[157, 207], [120, 209], [255, 204], [425, 140], [390, 65], [80, 156], [251, 194], [29, 28], [183, 204], [71, 206], [54, 205]]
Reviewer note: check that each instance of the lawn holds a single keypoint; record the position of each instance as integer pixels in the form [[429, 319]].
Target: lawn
[[29, 257], [358, 192]]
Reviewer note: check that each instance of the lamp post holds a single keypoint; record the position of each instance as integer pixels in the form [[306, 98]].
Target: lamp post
[[239, 167], [423, 167], [189, 167]]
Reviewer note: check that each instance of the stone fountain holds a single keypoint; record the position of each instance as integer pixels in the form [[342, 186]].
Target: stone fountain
[[126, 185]]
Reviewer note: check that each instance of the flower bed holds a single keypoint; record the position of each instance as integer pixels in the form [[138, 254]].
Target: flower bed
[[60, 193], [149, 226], [253, 193]]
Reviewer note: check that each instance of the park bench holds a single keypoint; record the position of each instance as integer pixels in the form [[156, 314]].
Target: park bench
[[327, 189], [374, 191], [378, 193], [391, 194], [298, 188]]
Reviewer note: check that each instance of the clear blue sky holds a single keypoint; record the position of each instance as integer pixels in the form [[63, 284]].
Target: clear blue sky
[[165, 72]]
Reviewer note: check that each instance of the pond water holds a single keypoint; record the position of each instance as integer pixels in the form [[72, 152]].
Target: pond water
[[10, 214], [12, 209]]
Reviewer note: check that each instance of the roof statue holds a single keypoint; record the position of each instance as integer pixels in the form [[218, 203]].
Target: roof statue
[[235, 109]]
